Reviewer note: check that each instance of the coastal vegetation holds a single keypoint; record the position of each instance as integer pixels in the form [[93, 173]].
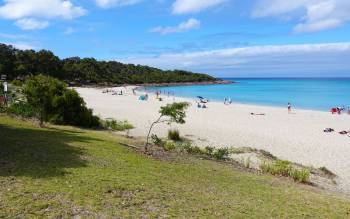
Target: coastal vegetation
[[171, 113], [63, 171], [18, 64], [174, 134], [285, 168], [116, 125], [56, 103], [50, 100]]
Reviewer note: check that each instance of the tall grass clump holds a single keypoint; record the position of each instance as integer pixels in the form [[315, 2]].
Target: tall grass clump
[[174, 135], [302, 175], [221, 153], [285, 168], [117, 125]]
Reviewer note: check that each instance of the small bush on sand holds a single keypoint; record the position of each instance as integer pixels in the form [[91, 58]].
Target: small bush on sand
[[209, 150], [221, 153], [157, 141], [174, 135], [169, 146], [302, 175], [171, 113]]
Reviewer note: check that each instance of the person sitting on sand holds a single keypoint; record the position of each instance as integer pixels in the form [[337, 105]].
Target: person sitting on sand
[[199, 105], [204, 106]]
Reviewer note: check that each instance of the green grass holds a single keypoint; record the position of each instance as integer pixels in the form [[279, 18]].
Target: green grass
[[64, 172]]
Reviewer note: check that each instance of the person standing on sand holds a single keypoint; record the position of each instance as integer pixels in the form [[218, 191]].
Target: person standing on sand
[[289, 108]]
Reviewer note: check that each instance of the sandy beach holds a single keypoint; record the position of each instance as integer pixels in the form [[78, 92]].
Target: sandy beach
[[297, 137]]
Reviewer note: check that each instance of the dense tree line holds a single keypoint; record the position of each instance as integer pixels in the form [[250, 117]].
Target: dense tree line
[[22, 63]]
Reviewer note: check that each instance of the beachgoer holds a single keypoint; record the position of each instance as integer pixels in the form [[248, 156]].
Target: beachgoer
[[339, 110], [204, 106], [289, 108], [229, 100], [225, 101], [199, 105]]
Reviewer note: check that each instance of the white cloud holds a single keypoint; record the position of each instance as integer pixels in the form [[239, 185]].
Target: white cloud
[[111, 3], [20, 45], [193, 6], [17, 9], [271, 60], [26, 12], [314, 15], [182, 27], [31, 24]]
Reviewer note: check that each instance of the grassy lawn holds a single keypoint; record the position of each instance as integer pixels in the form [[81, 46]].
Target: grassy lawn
[[64, 172]]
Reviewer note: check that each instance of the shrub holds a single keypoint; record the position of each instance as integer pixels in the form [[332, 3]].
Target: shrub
[[183, 147], [192, 149], [221, 153], [117, 125], [209, 150], [17, 83], [157, 141], [3, 109], [174, 135], [1, 88], [22, 109], [58, 104], [302, 175], [169, 145], [171, 113]]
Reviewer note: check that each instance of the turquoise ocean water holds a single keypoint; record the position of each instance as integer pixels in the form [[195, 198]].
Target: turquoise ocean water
[[316, 94]]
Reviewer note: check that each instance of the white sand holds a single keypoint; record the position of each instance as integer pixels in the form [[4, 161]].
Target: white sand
[[297, 137]]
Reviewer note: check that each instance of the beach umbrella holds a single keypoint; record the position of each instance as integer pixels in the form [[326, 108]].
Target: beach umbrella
[[200, 97]]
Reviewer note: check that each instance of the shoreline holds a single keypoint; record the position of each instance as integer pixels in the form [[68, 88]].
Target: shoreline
[[140, 89]]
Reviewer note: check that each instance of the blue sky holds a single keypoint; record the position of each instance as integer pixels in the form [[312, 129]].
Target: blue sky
[[226, 38]]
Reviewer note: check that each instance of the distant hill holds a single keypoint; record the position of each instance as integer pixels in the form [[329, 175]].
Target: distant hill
[[17, 63]]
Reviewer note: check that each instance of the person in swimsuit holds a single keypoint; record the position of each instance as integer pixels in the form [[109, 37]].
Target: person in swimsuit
[[289, 108]]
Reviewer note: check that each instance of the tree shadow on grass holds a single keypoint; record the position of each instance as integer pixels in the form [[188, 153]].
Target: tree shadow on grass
[[39, 153]]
